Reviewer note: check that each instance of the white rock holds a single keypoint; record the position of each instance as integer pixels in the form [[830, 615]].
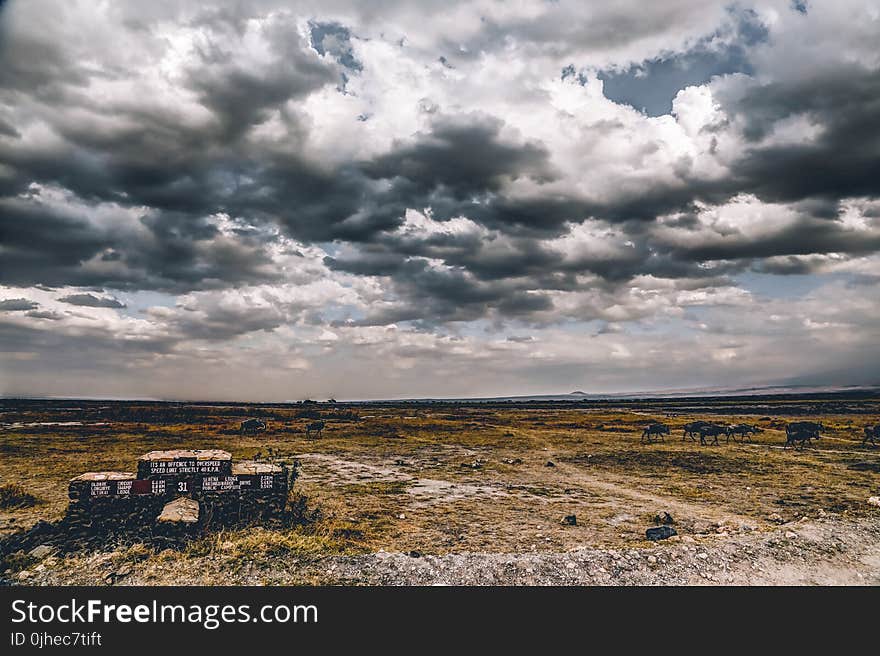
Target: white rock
[[874, 501], [41, 551]]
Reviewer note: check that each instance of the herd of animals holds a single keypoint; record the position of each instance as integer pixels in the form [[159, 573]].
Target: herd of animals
[[796, 433], [253, 426]]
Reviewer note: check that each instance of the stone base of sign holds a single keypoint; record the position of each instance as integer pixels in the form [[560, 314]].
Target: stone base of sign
[[205, 483]]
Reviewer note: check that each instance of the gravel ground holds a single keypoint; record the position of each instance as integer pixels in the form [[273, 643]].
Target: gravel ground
[[829, 551]]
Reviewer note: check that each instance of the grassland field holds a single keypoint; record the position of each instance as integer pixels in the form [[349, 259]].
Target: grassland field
[[447, 477]]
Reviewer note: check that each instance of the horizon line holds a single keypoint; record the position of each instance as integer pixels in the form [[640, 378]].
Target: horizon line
[[756, 390]]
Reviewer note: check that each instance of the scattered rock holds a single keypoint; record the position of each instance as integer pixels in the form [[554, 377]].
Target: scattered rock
[[570, 520], [415, 554], [112, 577], [874, 501], [790, 535], [181, 511], [775, 517], [663, 517], [550, 463], [660, 533], [41, 551]]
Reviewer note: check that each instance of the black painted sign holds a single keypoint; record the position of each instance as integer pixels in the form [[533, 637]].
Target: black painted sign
[[183, 467], [243, 482], [161, 486]]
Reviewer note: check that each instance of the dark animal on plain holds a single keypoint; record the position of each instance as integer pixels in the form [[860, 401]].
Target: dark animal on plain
[[252, 426], [654, 429], [802, 436], [872, 433], [692, 429], [809, 427], [713, 431], [316, 427], [743, 430]]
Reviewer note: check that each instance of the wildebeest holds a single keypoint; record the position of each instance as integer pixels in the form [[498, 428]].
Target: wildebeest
[[743, 430], [252, 425], [872, 433], [809, 428], [802, 435], [711, 430], [316, 426], [654, 429], [692, 429]]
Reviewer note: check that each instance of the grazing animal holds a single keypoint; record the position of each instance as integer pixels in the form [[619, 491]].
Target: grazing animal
[[810, 428], [654, 429], [872, 433], [692, 429], [252, 426], [316, 426], [743, 430], [802, 435], [713, 431]]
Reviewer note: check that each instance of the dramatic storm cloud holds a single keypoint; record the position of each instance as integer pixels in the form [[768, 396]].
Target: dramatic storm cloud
[[272, 200]]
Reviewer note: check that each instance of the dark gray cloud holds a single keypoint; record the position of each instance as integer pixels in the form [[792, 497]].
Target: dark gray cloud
[[91, 300], [807, 236], [842, 161], [17, 305], [44, 314], [462, 156], [241, 98]]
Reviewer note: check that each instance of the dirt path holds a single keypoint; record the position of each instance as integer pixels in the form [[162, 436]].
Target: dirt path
[[577, 477]]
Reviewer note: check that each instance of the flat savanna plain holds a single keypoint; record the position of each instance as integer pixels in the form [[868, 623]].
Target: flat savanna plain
[[401, 483]]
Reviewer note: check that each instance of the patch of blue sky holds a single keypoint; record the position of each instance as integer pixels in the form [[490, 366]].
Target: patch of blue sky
[[335, 312], [651, 86], [784, 287], [335, 39], [137, 303], [331, 248]]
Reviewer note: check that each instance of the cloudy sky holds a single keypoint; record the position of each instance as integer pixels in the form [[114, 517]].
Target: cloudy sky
[[266, 200]]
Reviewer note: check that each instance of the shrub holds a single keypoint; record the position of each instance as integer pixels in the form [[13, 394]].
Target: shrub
[[15, 496]]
